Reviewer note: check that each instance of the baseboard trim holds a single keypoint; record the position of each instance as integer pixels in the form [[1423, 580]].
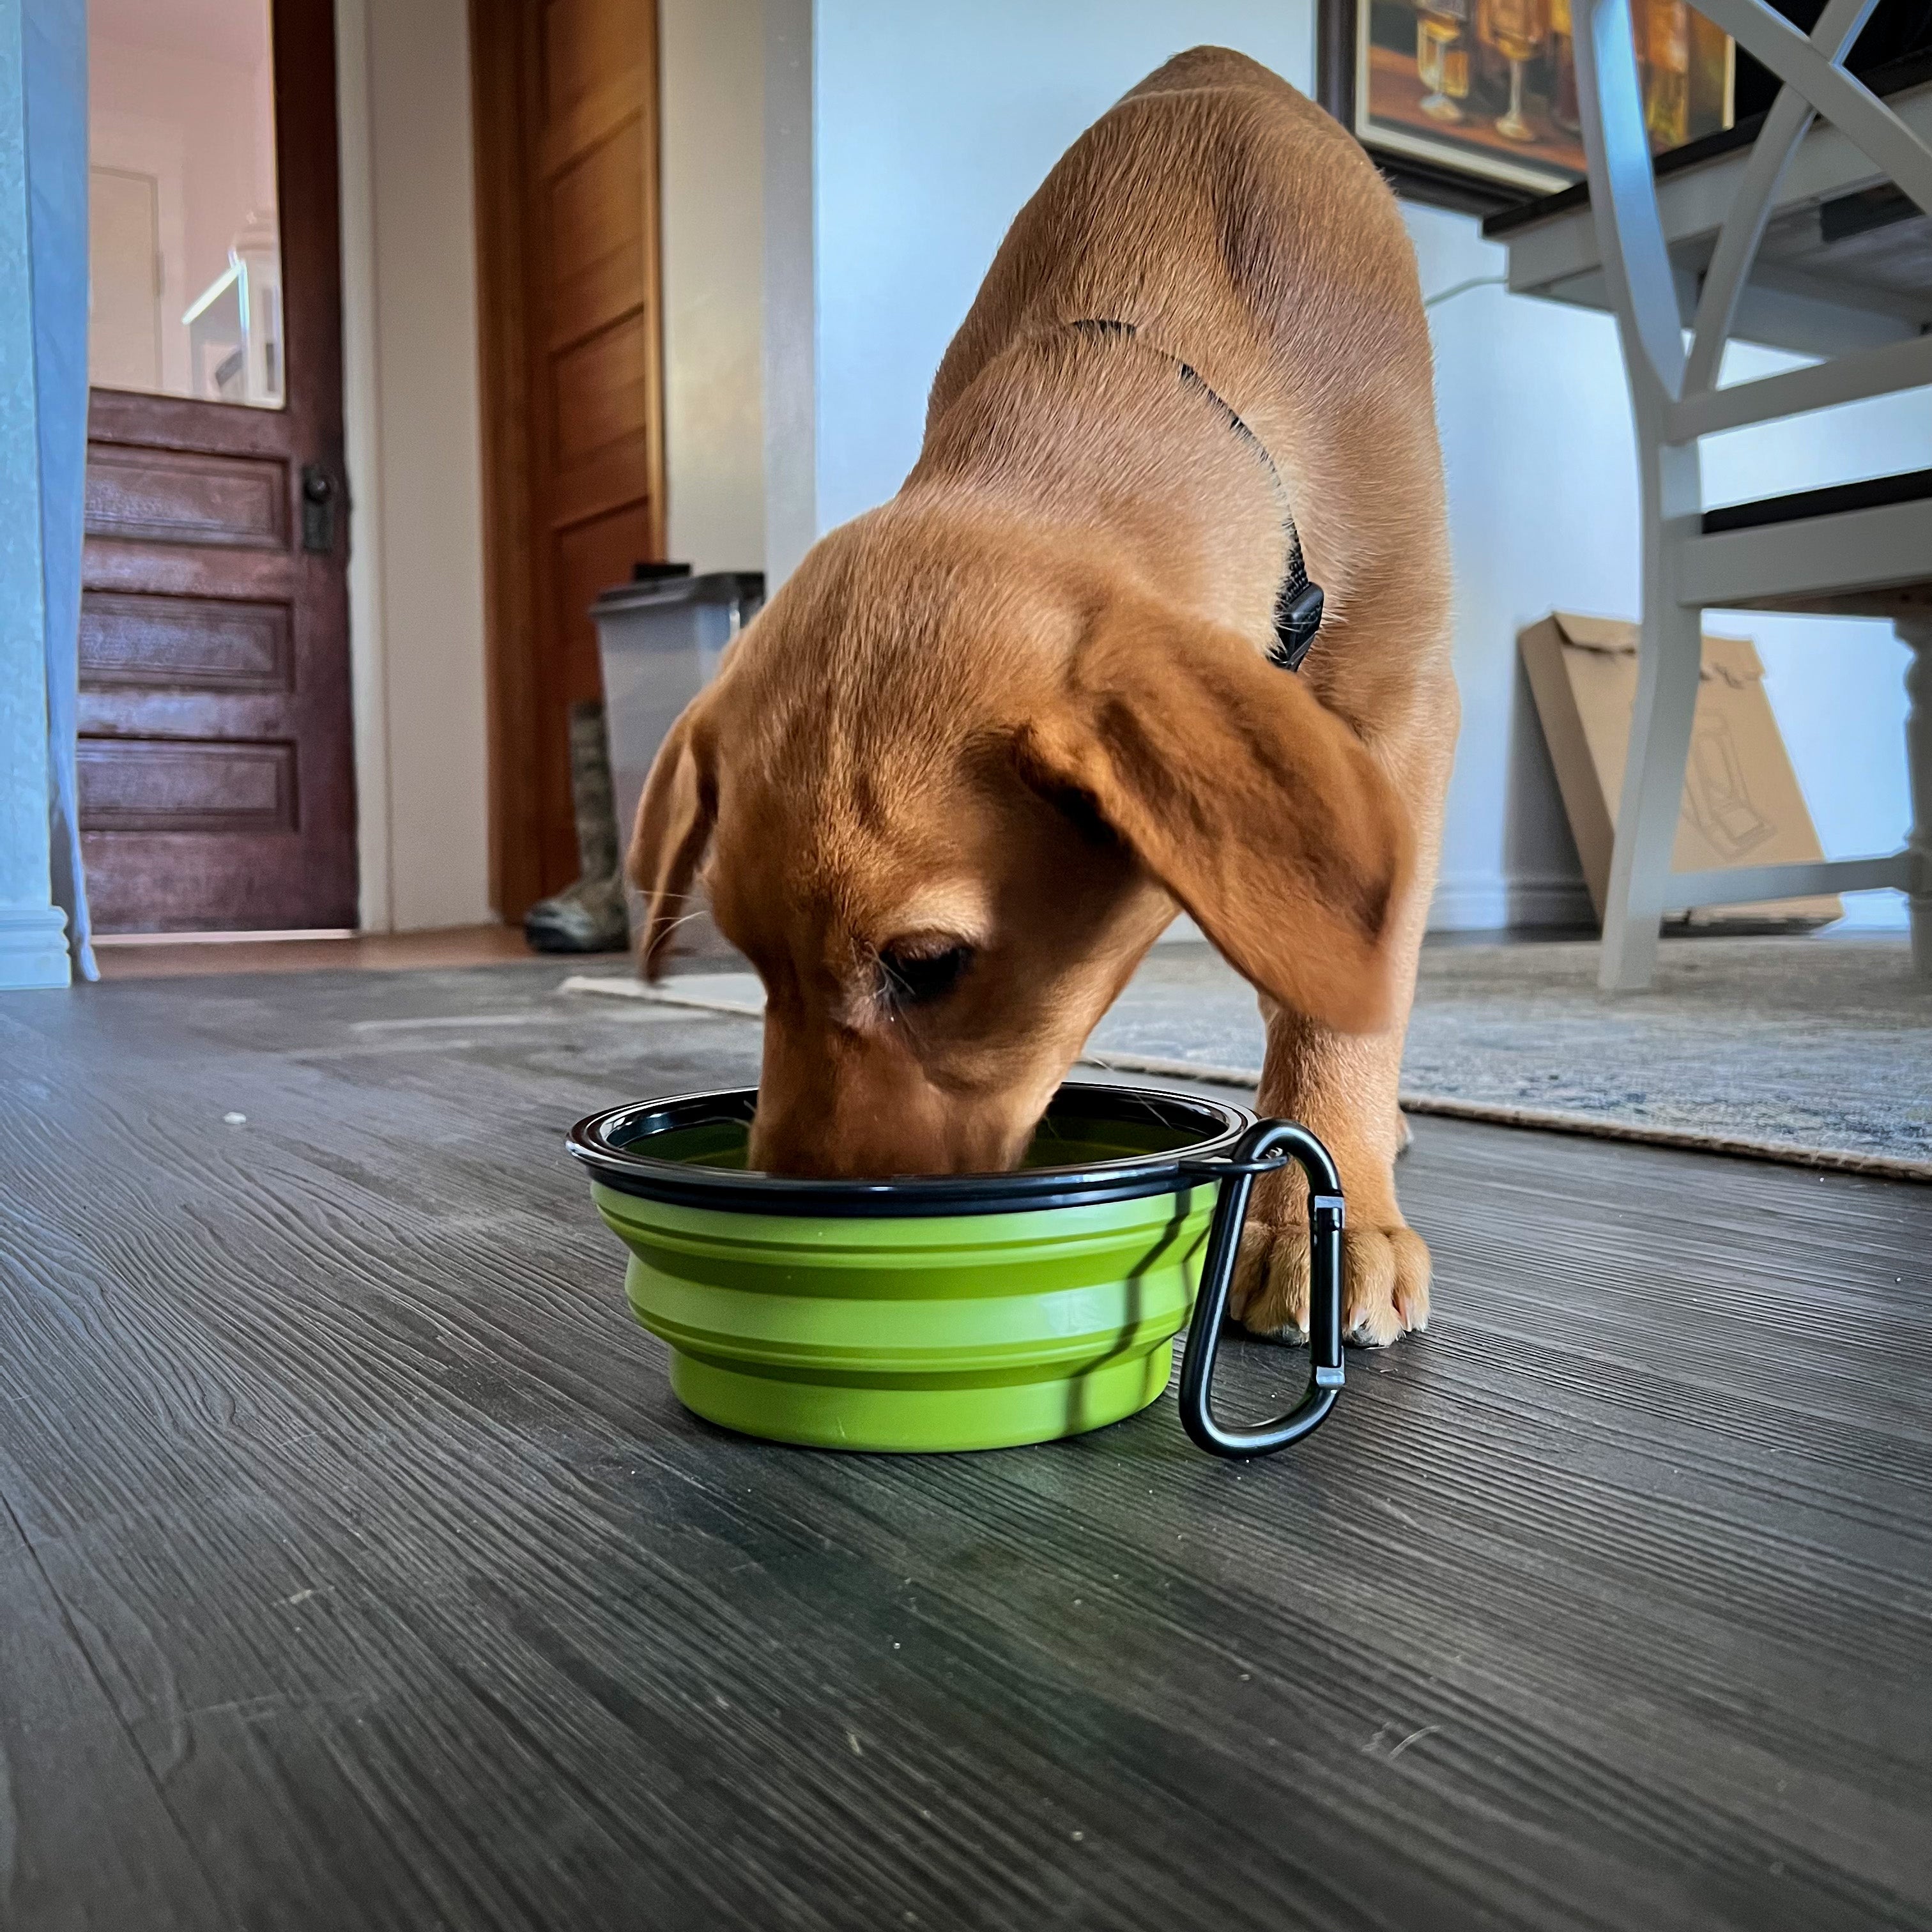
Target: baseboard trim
[[1490, 901], [1469, 902], [33, 949], [1557, 902]]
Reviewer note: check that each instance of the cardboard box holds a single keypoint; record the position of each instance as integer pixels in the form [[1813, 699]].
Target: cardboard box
[[1742, 803]]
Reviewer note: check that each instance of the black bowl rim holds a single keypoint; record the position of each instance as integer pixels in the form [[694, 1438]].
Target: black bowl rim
[[1131, 1178]]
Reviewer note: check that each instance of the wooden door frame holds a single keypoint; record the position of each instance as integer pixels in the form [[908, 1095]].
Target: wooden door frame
[[506, 72], [308, 427]]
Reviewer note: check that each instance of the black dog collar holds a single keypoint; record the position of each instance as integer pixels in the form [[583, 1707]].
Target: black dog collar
[[1298, 605]]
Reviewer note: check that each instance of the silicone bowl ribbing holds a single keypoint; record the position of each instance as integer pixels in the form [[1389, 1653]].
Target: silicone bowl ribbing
[[958, 1311]]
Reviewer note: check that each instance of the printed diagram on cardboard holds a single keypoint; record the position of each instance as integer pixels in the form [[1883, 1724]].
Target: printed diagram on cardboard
[[1741, 803], [1717, 792]]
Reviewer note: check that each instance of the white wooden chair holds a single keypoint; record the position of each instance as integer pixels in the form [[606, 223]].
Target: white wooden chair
[[1864, 548]]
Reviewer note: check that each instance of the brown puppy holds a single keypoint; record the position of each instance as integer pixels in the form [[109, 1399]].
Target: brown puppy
[[986, 741]]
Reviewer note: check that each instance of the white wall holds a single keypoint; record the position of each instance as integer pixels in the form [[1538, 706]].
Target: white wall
[[415, 463], [932, 126], [791, 289], [711, 59]]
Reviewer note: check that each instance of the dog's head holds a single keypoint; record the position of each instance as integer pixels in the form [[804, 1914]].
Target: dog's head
[[948, 788]]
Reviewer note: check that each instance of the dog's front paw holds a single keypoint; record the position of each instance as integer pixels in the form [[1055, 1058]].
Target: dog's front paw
[[1385, 1282]]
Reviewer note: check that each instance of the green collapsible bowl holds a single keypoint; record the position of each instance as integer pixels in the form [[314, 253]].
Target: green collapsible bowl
[[957, 1311]]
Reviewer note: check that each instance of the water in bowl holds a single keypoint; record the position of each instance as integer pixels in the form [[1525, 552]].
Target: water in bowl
[[723, 1143]]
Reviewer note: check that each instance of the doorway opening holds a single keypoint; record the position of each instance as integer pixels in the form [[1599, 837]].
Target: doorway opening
[[217, 783]]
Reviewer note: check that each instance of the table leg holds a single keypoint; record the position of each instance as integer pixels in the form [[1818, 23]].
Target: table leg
[[1916, 634]]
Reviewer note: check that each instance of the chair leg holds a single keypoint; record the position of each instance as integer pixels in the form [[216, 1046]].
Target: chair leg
[[1917, 635], [1653, 792]]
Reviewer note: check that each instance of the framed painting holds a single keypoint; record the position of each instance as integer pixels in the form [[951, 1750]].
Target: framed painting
[[1473, 102]]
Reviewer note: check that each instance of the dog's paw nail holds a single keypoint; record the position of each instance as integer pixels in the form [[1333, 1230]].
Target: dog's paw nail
[[1286, 1337]]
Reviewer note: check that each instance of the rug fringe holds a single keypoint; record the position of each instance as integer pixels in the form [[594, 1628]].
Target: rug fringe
[[1550, 1119], [1555, 1120]]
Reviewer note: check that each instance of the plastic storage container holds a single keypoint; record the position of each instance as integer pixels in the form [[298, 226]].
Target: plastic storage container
[[660, 639]]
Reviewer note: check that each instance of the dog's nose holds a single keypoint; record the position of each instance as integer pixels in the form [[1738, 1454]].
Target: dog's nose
[[846, 1143], [776, 1148], [818, 1147]]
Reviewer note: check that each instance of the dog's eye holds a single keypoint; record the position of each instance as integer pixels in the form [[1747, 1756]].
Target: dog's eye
[[917, 975]]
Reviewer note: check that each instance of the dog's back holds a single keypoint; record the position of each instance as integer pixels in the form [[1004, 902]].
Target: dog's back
[[1238, 226]]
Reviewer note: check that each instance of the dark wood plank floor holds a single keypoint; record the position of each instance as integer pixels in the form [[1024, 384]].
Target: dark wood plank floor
[[358, 1570]]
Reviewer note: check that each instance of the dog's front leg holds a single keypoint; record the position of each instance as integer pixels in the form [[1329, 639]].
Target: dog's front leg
[[1344, 1088]]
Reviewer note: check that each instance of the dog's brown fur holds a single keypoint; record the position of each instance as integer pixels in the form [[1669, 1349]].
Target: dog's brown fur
[[1024, 707]]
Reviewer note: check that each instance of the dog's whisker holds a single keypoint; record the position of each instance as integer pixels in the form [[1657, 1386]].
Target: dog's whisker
[[683, 918]]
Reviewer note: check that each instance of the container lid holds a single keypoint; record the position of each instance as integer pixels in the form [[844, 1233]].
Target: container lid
[[1123, 1143], [716, 586]]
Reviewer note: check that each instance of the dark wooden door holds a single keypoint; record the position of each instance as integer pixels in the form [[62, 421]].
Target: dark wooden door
[[566, 94], [217, 777]]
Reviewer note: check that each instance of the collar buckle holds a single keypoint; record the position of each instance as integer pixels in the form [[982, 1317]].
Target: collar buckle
[[1297, 619]]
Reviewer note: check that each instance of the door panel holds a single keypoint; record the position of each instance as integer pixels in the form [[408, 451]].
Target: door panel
[[164, 784], [590, 557], [173, 496], [583, 42], [599, 386], [184, 642], [217, 783], [566, 118], [595, 194]]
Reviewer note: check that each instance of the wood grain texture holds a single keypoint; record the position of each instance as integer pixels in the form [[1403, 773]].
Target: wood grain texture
[[565, 103], [165, 496], [134, 784], [357, 1568], [154, 642]]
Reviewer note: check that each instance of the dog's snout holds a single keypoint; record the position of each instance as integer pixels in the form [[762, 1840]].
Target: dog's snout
[[847, 1133]]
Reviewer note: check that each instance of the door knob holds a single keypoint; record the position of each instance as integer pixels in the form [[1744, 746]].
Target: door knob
[[318, 494]]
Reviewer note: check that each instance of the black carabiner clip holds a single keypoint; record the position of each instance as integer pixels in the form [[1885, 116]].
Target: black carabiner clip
[[1267, 1147]]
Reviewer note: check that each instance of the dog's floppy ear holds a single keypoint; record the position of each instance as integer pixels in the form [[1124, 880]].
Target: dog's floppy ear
[[673, 827], [1257, 808]]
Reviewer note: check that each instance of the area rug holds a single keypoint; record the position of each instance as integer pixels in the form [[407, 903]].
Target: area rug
[[1816, 1050]]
